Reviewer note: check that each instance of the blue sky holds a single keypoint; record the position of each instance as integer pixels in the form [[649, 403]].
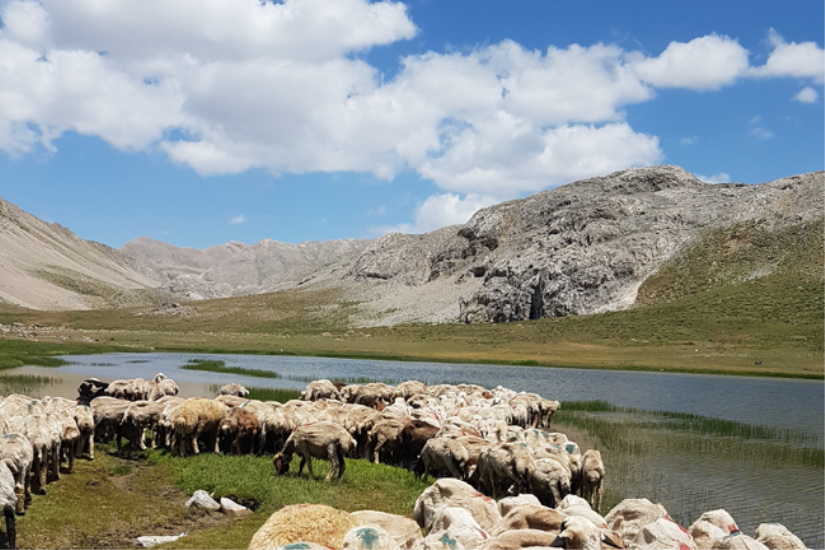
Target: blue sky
[[198, 122]]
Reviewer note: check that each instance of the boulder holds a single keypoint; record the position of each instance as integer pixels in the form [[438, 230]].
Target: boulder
[[738, 541], [711, 526], [630, 515], [662, 533], [150, 541]]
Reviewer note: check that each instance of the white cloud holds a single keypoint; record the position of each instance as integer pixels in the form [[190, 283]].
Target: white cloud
[[721, 177], [761, 133], [804, 60], [508, 156], [440, 211], [237, 220], [806, 95], [279, 85], [689, 140], [705, 63]]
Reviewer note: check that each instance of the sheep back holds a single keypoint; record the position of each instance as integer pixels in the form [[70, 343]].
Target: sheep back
[[316, 523], [404, 530], [369, 537]]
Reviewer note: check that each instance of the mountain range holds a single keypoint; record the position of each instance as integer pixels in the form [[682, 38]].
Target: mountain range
[[582, 248]]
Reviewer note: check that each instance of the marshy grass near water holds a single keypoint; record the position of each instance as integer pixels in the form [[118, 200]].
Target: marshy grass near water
[[264, 394], [343, 379], [211, 365], [693, 464], [25, 384]]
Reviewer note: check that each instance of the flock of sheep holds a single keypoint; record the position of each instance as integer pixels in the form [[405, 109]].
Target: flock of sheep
[[481, 443]]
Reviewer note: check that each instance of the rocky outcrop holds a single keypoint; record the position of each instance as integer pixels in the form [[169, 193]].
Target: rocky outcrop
[[585, 247]]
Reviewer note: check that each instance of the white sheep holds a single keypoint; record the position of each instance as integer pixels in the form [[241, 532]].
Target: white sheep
[[324, 440], [8, 502], [776, 536], [17, 453], [368, 537]]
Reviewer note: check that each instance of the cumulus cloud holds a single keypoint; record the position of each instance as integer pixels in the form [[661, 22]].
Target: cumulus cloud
[[806, 95], [805, 60], [280, 86], [721, 177], [237, 220], [440, 211], [705, 63]]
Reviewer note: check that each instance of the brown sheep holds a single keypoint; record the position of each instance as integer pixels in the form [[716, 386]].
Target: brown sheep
[[238, 431], [414, 436], [316, 523], [324, 440]]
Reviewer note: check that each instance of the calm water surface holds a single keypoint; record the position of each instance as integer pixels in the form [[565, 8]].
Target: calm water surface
[[795, 404]]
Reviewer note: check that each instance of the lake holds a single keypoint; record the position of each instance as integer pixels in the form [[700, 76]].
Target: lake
[[688, 472]]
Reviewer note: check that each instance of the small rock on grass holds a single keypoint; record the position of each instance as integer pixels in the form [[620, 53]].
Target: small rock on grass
[[150, 541], [201, 499], [233, 509]]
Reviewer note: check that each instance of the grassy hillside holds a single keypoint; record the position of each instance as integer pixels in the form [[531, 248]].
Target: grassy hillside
[[742, 300]]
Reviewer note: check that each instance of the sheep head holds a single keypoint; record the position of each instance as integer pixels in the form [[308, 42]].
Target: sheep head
[[281, 462]]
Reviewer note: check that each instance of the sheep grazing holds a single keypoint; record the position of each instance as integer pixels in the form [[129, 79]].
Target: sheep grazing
[[592, 478], [233, 389], [8, 502], [445, 456], [311, 523], [324, 440], [239, 428], [192, 419]]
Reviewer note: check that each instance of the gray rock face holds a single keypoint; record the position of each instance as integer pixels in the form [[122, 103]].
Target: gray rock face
[[234, 269], [585, 247]]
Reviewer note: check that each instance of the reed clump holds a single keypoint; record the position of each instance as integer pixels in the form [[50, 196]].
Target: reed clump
[[211, 365], [26, 384]]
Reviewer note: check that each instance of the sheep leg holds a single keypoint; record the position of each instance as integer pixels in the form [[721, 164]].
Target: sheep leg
[[453, 469], [194, 440], [11, 531], [309, 466], [20, 493], [376, 450], [54, 464], [301, 466], [342, 465], [597, 496], [333, 460], [40, 475]]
